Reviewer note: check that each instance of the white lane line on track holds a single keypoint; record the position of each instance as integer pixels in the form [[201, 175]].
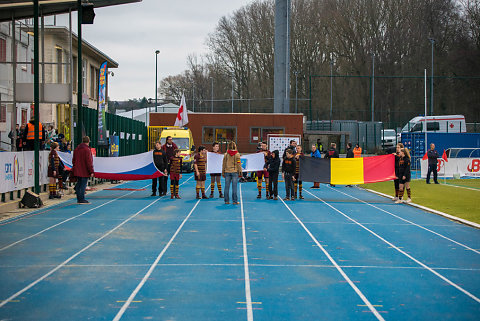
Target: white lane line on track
[[12, 297], [339, 269], [153, 266], [64, 221], [400, 250], [238, 264], [410, 222], [248, 294]]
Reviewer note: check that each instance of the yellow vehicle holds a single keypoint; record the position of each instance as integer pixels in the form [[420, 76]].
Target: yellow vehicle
[[182, 137]]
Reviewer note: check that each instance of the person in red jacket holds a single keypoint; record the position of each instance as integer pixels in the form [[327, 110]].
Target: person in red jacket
[[82, 168]]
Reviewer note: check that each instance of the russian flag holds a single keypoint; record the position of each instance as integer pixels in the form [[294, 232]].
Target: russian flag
[[129, 168]]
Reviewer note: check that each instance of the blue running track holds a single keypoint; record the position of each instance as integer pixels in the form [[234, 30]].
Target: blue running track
[[340, 254]]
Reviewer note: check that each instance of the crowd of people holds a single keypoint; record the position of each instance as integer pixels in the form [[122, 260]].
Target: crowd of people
[[22, 138]]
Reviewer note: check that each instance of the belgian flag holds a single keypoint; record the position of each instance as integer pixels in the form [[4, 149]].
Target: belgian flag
[[347, 171]]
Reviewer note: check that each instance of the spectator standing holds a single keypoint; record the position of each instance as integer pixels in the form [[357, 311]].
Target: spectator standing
[[29, 135], [292, 146], [264, 173], [169, 148], [298, 183], [288, 174], [396, 181], [175, 174], [231, 171], [82, 168], [273, 168], [357, 151], [200, 166], [216, 177], [51, 136], [161, 163], [332, 153], [15, 138], [432, 155], [404, 175], [53, 170], [315, 154], [319, 145], [350, 154]]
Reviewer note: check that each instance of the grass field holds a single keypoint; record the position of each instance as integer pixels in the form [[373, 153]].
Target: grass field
[[450, 198]]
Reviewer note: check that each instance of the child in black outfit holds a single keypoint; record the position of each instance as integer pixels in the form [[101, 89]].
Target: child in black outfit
[[272, 166], [288, 174]]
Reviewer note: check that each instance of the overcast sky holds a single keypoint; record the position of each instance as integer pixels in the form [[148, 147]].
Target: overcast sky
[[130, 34]]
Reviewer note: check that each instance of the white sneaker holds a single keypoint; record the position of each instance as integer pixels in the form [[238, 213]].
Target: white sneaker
[[409, 200], [398, 201], [395, 198]]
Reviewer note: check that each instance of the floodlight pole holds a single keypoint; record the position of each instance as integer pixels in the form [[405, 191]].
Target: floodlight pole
[[432, 41], [156, 80], [36, 96]]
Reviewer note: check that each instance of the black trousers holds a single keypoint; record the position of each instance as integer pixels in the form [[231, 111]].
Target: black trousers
[[273, 183], [289, 188], [432, 168], [162, 184]]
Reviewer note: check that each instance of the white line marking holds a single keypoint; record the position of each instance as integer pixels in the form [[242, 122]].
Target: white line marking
[[401, 251], [410, 222], [345, 276], [238, 264], [248, 294], [73, 256], [458, 186], [65, 221], [152, 267]]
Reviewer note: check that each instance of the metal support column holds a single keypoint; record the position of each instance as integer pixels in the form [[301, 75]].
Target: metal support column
[[79, 123], [36, 96]]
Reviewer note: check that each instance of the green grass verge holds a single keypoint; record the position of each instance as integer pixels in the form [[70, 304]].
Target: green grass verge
[[447, 198]]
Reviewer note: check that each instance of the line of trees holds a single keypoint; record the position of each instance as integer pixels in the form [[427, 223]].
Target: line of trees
[[342, 34]]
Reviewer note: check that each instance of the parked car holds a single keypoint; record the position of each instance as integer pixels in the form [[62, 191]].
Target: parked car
[[389, 138]]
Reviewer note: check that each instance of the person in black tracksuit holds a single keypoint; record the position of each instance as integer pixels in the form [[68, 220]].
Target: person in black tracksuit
[[350, 154], [288, 174], [273, 166], [432, 155], [396, 182], [161, 163], [404, 175], [332, 153]]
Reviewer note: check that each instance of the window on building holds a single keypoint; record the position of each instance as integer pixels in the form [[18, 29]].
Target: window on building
[[260, 134], [3, 113], [75, 71], [59, 65], [93, 82], [66, 69], [3, 50], [84, 76], [221, 134]]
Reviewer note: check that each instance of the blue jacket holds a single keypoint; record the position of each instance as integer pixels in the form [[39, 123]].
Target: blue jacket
[[316, 154]]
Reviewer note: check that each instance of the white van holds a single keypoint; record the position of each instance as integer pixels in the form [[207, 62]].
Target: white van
[[437, 124]]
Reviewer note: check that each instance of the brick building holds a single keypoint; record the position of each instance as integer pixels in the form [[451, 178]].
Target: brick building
[[246, 129]]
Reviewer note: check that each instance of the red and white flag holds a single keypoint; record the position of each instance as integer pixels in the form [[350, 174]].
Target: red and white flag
[[182, 116], [444, 156]]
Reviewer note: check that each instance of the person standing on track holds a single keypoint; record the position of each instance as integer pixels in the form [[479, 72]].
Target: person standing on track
[[82, 168], [396, 181], [200, 166], [297, 173], [231, 171], [53, 170], [288, 174], [169, 148], [175, 173], [432, 155], [350, 154], [315, 154], [161, 163], [273, 167], [264, 173], [217, 176], [404, 175], [332, 153]]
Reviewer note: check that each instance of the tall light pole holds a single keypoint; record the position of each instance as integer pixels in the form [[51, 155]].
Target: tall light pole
[[331, 89], [212, 95], [432, 41], [296, 92], [232, 93], [156, 80], [373, 87]]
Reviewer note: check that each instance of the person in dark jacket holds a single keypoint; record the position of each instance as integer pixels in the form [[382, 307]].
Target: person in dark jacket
[[82, 168], [332, 153], [292, 146], [432, 155], [161, 163], [396, 182], [298, 183], [273, 166], [288, 173], [169, 148], [350, 151], [404, 175]]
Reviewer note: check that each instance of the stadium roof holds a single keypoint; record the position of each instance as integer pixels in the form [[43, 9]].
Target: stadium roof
[[23, 9]]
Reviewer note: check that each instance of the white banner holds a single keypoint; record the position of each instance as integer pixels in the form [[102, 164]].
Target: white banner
[[250, 162], [466, 167], [17, 170]]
